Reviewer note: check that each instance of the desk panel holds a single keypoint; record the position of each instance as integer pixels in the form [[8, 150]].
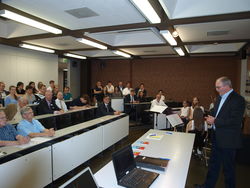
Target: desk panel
[[70, 153], [115, 131], [31, 170]]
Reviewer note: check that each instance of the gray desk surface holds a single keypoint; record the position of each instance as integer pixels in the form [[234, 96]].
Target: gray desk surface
[[173, 145], [62, 132], [54, 115]]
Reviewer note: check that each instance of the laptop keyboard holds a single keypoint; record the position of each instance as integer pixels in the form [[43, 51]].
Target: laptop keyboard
[[134, 178]]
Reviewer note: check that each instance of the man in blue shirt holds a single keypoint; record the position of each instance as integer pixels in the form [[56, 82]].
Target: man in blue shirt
[[8, 134], [31, 127]]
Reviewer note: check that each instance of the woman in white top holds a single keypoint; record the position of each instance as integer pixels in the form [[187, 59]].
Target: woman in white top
[[127, 89], [198, 126], [195, 103], [109, 89], [160, 92], [60, 102], [185, 112]]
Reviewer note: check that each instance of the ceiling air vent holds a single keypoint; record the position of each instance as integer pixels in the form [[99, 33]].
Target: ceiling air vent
[[217, 33], [82, 12]]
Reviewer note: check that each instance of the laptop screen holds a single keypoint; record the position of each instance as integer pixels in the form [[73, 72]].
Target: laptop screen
[[82, 179], [123, 161]]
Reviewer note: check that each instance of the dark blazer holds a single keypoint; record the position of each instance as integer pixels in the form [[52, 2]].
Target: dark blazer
[[43, 107], [229, 121], [103, 111], [127, 98]]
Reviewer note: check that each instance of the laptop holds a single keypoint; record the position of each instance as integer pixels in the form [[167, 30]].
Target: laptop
[[84, 178], [127, 174], [151, 162]]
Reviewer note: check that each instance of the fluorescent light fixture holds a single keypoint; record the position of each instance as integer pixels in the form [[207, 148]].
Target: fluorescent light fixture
[[91, 43], [117, 52], [32, 47], [65, 69], [74, 56], [167, 35], [147, 10], [179, 51], [28, 21]]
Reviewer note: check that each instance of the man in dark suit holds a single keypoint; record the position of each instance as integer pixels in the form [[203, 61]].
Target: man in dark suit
[[226, 121], [48, 105], [105, 108], [129, 104]]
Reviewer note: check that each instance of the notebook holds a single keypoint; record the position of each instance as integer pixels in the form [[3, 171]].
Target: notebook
[[127, 174], [151, 162]]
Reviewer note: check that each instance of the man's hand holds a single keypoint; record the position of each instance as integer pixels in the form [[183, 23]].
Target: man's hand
[[210, 119], [22, 139]]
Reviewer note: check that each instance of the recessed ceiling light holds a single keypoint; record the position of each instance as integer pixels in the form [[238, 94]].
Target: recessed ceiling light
[[74, 56], [147, 10], [28, 21], [32, 47], [91, 43], [168, 36], [117, 52]]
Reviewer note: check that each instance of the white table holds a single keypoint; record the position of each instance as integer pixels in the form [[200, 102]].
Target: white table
[[175, 145]]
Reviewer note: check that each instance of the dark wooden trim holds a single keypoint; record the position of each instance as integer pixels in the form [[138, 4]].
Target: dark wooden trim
[[212, 18]]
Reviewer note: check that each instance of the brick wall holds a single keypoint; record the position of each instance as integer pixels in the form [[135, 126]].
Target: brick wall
[[179, 78]]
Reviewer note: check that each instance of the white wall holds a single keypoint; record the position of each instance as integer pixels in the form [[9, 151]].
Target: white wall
[[18, 64]]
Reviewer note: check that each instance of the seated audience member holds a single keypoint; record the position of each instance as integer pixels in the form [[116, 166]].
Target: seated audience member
[[33, 85], [160, 92], [130, 108], [126, 90], [32, 127], [48, 105], [66, 94], [117, 92], [10, 111], [2, 94], [60, 102], [22, 102], [8, 133], [185, 112], [51, 85], [55, 91], [98, 91], [120, 86], [105, 108], [141, 97], [109, 89], [211, 106], [80, 102], [29, 94], [93, 101], [198, 126], [39, 84], [19, 88], [12, 97], [157, 101], [41, 93], [141, 88], [195, 103]]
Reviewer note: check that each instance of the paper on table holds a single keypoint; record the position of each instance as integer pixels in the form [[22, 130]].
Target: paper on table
[[174, 119], [34, 141], [153, 136], [158, 109]]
